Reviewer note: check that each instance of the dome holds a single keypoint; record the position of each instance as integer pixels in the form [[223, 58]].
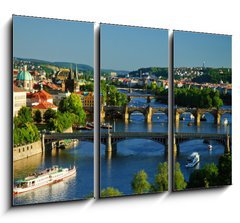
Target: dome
[[24, 75]]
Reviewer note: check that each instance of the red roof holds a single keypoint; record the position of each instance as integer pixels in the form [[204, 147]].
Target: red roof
[[44, 105], [40, 96]]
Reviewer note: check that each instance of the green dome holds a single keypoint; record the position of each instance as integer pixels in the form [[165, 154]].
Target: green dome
[[24, 76]]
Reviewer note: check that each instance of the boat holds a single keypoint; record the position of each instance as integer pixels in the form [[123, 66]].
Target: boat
[[190, 124], [225, 121], [193, 160], [210, 147], [192, 117], [203, 118], [43, 178], [90, 125], [182, 118], [106, 126]]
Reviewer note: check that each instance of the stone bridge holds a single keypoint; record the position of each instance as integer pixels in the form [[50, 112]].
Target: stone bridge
[[110, 139], [149, 111]]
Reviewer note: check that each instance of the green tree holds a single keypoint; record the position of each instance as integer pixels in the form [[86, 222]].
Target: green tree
[[225, 170], [179, 182], [140, 183], [161, 178], [37, 116], [50, 113], [110, 192], [24, 116], [205, 177], [73, 104]]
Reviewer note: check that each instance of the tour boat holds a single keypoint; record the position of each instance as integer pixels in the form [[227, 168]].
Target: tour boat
[[193, 160], [43, 178]]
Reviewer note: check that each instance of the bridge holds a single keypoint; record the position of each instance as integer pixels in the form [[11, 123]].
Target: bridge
[[110, 139], [149, 111]]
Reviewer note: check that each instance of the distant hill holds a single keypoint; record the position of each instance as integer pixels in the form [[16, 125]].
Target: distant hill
[[157, 71], [119, 72], [83, 67]]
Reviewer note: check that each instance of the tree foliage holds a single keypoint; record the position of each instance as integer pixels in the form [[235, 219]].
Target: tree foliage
[[205, 177], [24, 130], [198, 98], [225, 170], [50, 113], [161, 178], [110, 192], [73, 105], [37, 116], [179, 182], [140, 183]]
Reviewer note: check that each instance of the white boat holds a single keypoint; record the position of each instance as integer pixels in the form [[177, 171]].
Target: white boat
[[225, 121], [193, 160], [210, 147], [44, 178]]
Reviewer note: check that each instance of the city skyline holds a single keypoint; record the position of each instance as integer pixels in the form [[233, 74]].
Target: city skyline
[[53, 40], [195, 49], [130, 48]]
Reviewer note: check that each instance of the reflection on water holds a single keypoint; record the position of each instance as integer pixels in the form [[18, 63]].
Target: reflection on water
[[73, 188], [132, 156]]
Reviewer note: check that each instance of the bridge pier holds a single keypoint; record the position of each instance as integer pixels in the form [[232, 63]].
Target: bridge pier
[[148, 99], [102, 114], [126, 114], [148, 116], [43, 142], [217, 118], [227, 144], [198, 118], [177, 117]]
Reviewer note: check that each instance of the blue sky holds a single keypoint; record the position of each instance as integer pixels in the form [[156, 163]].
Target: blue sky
[[192, 49], [53, 40], [131, 48]]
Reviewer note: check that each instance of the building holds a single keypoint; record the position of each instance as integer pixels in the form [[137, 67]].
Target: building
[[38, 97], [19, 99], [24, 79]]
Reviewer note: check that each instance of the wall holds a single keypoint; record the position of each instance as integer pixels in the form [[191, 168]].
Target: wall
[[220, 205], [25, 151]]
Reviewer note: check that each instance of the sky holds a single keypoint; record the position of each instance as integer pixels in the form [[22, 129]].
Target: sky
[[131, 48], [193, 49], [53, 40]]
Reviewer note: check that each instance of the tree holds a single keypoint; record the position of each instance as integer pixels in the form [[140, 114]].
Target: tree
[[110, 192], [179, 182], [140, 184], [37, 116], [161, 178], [205, 177], [225, 170], [24, 116], [50, 113], [73, 104]]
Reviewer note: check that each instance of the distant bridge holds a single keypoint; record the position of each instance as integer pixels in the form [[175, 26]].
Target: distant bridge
[[149, 111]]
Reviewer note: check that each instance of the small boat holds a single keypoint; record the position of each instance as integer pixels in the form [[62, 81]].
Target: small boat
[[182, 118], [192, 116], [193, 160], [190, 124], [43, 178], [203, 118], [90, 125], [210, 147], [225, 121], [106, 126]]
